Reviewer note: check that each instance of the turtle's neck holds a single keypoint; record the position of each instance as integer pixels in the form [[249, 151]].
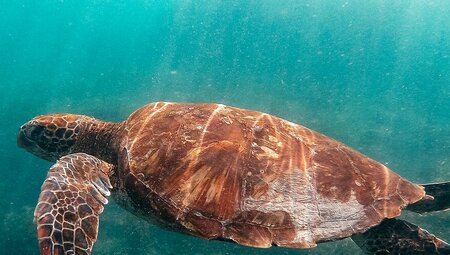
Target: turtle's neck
[[100, 139]]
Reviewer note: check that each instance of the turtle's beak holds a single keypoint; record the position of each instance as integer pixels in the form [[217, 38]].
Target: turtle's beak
[[32, 138], [23, 141], [28, 134]]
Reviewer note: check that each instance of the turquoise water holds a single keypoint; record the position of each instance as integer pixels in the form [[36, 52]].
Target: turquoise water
[[372, 74]]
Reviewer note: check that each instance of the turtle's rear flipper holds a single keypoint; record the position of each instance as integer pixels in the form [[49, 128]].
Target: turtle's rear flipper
[[441, 194], [71, 199], [394, 236]]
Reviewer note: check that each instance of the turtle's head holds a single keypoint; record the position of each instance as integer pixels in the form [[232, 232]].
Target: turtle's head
[[50, 136]]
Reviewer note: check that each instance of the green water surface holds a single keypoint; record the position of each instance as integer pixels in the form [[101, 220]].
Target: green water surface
[[372, 74]]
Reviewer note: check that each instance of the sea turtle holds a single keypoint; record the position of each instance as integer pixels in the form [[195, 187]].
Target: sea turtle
[[225, 173]]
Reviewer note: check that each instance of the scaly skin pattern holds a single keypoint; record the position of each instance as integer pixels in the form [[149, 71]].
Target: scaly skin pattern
[[71, 200], [220, 172]]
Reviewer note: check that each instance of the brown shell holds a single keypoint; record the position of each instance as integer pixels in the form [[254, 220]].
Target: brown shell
[[229, 173]]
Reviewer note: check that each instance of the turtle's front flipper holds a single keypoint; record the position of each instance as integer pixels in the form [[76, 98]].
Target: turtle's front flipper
[[394, 236], [71, 199]]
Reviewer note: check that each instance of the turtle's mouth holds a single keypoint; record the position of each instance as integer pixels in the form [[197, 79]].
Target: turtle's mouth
[[23, 141], [30, 145], [31, 137]]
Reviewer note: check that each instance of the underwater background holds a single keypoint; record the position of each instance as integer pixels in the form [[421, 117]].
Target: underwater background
[[372, 74]]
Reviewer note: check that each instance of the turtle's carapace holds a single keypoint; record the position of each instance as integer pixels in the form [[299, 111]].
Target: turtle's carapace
[[217, 172]]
